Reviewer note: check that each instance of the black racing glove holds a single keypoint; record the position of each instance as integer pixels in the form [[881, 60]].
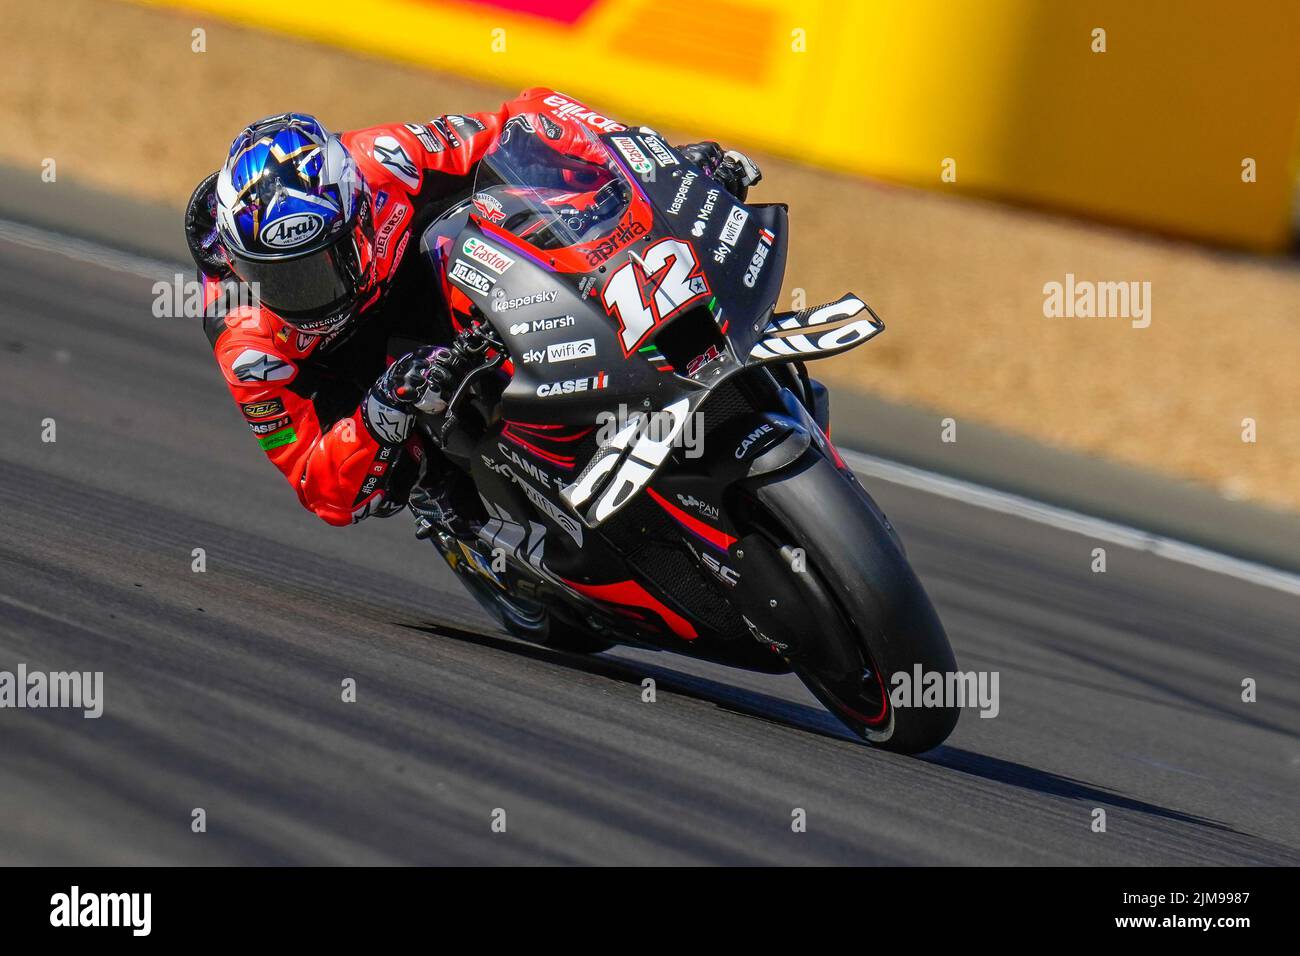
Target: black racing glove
[[201, 230], [733, 169], [423, 379]]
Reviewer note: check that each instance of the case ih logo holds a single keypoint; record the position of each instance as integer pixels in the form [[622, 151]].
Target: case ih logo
[[573, 386], [765, 240]]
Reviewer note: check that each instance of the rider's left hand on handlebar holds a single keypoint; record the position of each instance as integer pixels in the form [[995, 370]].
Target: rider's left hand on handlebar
[[419, 380], [736, 171]]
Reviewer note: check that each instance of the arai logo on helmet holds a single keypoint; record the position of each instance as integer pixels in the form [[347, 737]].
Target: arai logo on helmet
[[291, 231]]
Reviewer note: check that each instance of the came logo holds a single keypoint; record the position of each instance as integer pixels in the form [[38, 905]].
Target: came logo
[[292, 231]]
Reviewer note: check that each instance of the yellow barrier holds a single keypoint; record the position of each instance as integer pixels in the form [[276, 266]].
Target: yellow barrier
[[1011, 98]]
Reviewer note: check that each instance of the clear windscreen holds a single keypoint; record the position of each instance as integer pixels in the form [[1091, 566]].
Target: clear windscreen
[[551, 193]]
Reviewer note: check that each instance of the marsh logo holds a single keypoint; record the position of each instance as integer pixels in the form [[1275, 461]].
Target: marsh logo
[[128, 910], [292, 231]]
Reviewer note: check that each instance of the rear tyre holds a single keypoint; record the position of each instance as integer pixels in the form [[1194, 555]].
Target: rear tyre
[[520, 617]]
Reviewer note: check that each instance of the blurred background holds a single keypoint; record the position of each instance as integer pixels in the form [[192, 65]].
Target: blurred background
[[945, 160]]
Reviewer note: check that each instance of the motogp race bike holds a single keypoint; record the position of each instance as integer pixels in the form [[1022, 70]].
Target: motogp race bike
[[650, 451]]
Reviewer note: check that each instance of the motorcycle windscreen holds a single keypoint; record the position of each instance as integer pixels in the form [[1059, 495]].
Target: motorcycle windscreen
[[551, 185]]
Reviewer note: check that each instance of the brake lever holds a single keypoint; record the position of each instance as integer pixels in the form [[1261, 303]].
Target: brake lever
[[449, 417]]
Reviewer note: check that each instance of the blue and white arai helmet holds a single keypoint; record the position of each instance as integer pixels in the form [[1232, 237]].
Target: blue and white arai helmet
[[294, 216]]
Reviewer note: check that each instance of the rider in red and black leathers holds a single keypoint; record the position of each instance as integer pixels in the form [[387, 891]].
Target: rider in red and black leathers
[[329, 398]]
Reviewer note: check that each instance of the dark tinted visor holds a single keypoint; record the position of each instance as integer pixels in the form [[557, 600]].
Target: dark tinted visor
[[306, 288]]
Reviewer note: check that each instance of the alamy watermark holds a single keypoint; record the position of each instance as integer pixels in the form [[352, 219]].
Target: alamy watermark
[[657, 427], [189, 298], [922, 688], [77, 690], [1084, 299]]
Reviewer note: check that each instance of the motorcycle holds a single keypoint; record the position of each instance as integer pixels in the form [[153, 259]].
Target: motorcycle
[[650, 451]]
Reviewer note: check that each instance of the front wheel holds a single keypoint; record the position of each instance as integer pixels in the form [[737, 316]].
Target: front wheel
[[874, 619]]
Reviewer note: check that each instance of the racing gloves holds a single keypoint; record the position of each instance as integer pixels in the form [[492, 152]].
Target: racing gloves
[[421, 379], [733, 169]]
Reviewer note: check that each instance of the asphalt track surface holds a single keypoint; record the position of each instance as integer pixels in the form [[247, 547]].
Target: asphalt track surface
[[1118, 691]]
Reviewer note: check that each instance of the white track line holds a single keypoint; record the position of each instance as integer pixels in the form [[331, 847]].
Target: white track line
[[979, 496], [83, 250], [1100, 529]]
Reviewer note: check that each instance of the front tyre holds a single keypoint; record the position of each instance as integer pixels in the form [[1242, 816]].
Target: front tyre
[[875, 617]]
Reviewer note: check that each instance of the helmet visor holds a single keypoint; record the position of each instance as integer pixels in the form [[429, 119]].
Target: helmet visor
[[306, 289]]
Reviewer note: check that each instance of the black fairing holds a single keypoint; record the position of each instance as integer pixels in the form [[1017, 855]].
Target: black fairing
[[533, 307]]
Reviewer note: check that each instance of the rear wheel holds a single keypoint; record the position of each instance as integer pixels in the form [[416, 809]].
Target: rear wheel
[[522, 618]]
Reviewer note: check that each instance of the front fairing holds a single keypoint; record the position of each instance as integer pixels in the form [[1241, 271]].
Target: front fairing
[[635, 321]]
